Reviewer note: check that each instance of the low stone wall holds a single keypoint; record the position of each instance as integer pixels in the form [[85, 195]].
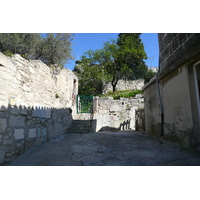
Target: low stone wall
[[116, 114], [36, 104], [21, 128]]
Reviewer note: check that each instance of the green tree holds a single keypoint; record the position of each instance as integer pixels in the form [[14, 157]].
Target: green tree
[[109, 59], [120, 59], [150, 73], [102, 64], [92, 76], [50, 48], [20, 43], [55, 48], [132, 55]]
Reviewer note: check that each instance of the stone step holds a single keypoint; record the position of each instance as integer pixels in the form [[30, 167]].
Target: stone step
[[81, 121], [78, 131], [80, 126]]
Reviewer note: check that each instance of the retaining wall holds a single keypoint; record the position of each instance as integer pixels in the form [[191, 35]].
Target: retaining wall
[[36, 104], [125, 85]]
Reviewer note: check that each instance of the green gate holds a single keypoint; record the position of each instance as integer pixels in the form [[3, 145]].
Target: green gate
[[84, 104]]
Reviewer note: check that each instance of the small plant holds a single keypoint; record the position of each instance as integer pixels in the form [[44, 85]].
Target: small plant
[[150, 74], [25, 56], [57, 96]]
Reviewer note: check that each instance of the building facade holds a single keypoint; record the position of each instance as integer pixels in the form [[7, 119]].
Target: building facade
[[172, 98]]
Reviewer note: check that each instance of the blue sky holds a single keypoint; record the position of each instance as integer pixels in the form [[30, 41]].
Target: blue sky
[[86, 41]]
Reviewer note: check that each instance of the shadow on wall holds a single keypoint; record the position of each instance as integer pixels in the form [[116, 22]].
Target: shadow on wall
[[24, 127], [123, 126]]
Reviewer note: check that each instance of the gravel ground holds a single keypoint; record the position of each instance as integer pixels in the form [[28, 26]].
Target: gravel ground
[[130, 148]]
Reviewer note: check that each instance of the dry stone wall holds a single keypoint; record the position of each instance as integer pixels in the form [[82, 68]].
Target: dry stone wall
[[36, 104], [125, 85]]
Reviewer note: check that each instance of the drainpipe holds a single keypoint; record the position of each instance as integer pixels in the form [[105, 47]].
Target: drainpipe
[[159, 95]]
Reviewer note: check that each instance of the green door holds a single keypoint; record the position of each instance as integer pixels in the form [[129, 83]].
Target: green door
[[84, 104]]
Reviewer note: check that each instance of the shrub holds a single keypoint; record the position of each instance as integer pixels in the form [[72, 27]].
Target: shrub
[[57, 96]]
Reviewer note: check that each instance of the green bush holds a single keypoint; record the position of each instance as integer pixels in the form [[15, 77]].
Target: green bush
[[150, 74]]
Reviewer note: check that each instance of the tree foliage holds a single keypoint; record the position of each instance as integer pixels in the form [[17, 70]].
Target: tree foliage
[[132, 55], [55, 48], [150, 74], [20, 43], [50, 48]]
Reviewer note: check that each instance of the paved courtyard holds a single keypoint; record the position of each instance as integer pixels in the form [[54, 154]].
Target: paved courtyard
[[130, 148]]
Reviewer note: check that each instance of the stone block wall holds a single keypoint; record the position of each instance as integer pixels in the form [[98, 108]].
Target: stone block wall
[[152, 108], [36, 104], [177, 49]]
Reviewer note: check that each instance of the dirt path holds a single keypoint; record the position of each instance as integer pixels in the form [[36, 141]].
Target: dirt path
[[130, 148]]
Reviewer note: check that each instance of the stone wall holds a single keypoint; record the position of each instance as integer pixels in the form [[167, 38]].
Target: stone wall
[[152, 109], [125, 85], [177, 49], [116, 114], [36, 104]]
